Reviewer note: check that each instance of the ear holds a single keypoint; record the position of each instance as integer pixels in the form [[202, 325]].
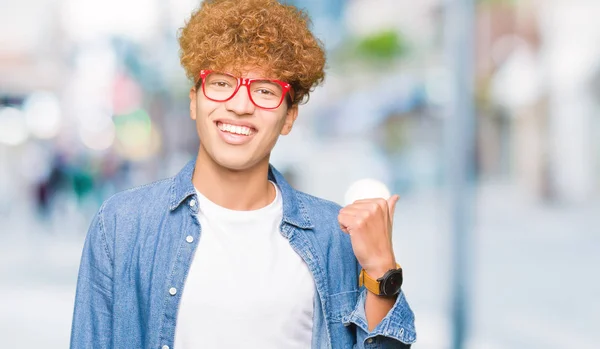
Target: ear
[[290, 117], [193, 94]]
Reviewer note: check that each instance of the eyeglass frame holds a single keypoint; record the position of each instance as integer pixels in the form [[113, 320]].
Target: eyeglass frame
[[286, 87]]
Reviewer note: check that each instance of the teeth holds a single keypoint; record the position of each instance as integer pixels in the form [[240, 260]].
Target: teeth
[[241, 130]]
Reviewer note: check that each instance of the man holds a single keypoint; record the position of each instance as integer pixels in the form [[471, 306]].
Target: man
[[226, 254]]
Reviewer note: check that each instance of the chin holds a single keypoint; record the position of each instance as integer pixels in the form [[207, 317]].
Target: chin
[[234, 163]]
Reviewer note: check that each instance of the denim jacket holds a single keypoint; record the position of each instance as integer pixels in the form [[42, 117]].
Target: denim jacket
[[138, 252]]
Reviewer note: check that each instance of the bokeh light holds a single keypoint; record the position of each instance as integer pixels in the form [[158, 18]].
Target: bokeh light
[[367, 188], [99, 132], [137, 139], [13, 128], [43, 114], [93, 101]]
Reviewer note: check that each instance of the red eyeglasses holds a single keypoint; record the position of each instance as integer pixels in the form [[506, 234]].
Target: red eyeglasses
[[264, 93]]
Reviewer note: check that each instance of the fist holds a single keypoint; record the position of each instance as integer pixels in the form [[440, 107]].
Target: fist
[[369, 224]]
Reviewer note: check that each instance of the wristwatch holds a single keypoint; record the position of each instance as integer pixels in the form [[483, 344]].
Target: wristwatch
[[386, 286]]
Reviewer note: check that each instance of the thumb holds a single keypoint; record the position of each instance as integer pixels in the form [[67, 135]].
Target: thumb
[[392, 205]]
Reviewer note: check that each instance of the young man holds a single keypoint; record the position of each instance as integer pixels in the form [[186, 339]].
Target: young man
[[226, 254]]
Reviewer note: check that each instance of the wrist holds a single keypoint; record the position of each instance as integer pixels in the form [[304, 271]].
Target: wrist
[[385, 282], [376, 271]]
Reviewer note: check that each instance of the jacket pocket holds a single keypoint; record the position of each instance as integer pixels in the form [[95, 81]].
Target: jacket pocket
[[341, 305]]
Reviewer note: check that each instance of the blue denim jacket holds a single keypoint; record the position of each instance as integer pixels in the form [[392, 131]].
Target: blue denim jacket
[[137, 255]]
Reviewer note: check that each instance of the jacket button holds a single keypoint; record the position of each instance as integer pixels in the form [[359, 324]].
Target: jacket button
[[172, 292], [189, 239], [165, 347], [192, 202], [370, 340]]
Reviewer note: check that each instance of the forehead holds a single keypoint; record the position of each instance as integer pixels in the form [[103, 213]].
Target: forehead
[[251, 72]]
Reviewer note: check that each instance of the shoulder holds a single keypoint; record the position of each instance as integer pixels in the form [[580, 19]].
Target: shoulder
[[315, 203], [323, 214], [320, 211], [125, 213], [335, 245], [136, 204]]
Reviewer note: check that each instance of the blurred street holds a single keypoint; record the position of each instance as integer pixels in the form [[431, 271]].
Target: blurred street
[[534, 285], [422, 99]]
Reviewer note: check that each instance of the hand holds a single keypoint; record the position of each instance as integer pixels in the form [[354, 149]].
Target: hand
[[369, 224]]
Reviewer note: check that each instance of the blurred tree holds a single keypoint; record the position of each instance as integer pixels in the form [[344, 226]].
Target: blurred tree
[[385, 45]]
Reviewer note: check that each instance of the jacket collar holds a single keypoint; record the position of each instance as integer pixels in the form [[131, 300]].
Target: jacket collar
[[182, 187], [294, 212]]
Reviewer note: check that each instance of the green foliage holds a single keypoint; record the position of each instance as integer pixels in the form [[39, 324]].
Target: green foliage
[[384, 45]]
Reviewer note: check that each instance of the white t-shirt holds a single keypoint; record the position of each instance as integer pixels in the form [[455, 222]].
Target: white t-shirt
[[246, 287]]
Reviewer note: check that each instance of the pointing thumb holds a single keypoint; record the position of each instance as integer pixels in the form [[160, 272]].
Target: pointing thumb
[[392, 205]]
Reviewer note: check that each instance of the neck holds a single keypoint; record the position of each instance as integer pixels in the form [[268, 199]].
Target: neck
[[240, 190]]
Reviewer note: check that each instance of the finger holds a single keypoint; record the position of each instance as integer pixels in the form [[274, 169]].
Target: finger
[[356, 217], [391, 202], [347, 221], [372, 205], [355, 210], [344, 229], [364, 201]]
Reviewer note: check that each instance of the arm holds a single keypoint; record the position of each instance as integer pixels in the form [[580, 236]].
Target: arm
[[376, 308], [380, 322], [92, 316]]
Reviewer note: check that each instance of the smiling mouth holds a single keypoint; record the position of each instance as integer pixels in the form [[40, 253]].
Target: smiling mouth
[[235, 129]]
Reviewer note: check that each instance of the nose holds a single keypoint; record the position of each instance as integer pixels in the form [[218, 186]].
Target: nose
[[240, 103]]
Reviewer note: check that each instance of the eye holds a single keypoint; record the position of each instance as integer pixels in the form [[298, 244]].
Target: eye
[[220, 83], [265, 91]]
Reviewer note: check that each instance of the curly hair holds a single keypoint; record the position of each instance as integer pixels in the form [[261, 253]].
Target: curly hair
[[263, 34]]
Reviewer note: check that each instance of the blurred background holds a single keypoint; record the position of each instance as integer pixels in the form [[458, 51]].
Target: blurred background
[[93, 101]]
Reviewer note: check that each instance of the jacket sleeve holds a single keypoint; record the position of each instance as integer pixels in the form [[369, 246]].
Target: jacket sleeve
[[396, 330], [92, 316]]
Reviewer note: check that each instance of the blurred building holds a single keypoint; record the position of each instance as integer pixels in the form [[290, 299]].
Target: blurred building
[[538, 110], [93, 101]]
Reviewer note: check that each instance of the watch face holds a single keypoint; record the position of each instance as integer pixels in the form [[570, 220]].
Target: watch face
[[392, 283]]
